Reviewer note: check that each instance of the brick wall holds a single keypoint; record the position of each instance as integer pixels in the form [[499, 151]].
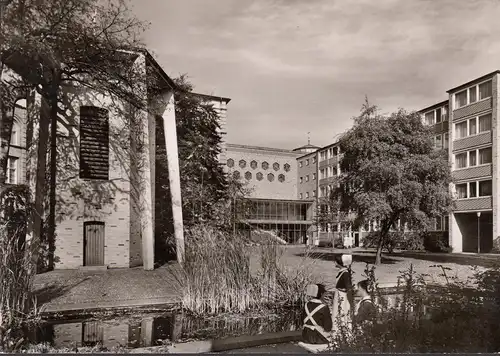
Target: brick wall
[[83, 200]]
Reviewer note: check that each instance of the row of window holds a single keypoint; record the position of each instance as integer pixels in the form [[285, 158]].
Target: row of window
[[331, 171], [436, 116], [473, 158], [301, 163], [253, 164], [473, 94], [473, 126], [259, 176], [307, 196], [301, 179], [481, 188], [439, 224], [329, 153]]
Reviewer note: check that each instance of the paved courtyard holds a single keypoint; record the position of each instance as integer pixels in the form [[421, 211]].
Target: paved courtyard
[[79, 289]]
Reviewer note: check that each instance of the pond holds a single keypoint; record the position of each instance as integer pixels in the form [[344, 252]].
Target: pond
[[142, 329], [152, 329]]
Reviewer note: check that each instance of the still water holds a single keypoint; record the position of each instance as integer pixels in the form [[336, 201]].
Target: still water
[[153, 329], [145, 330]]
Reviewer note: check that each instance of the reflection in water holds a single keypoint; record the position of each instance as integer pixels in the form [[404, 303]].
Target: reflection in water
[[153, 329], [145, 330]]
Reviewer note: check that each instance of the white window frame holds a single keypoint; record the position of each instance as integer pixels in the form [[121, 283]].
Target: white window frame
[[314, 176], [301, 180], [467, 183], [16, 170], [454, 101], [307, 178], [476, 119], [16, 128], [467, 153]]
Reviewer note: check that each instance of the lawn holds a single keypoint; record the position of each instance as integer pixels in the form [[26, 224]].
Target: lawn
[[119, 287]]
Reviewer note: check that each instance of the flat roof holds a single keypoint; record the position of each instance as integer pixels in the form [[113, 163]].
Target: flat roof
[[213, 97], [472, 81], [434, 106], [281, 200], [260, 148]]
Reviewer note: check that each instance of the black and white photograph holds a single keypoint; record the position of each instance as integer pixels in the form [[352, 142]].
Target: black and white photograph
[[249, 176]]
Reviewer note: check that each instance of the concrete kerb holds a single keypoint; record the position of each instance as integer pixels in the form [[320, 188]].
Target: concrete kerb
[[48, 311], [226, 344]]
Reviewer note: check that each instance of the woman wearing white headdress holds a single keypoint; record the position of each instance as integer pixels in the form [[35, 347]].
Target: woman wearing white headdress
[[343, 298]]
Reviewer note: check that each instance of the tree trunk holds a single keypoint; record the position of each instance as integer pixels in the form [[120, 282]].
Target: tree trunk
[[51, 232], [382, 239], [40, 182], [378, 257]]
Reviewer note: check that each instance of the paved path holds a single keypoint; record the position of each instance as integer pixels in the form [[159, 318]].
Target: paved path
[[64, 290]]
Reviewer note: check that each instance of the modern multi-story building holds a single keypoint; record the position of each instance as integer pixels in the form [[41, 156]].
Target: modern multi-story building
[[270, 175], [473, 152]]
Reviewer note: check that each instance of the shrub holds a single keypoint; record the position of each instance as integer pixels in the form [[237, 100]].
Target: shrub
[[408, 240], [456, 317], [217, 275]]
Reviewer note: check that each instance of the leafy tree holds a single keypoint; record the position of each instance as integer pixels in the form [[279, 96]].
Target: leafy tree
[[206, 191], [50, 44], [391, 173]]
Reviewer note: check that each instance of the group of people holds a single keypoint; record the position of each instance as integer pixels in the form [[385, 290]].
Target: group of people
[[319, 320]]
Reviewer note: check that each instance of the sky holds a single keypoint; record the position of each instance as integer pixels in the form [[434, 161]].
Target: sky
[[296, 66]]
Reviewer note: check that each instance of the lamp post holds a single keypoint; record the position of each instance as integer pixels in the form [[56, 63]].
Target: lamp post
[[478, 232]]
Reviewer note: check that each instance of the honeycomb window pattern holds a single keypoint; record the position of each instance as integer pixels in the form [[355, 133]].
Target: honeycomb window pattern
[[259, 176], [236, 175], [265, 165], [248, 175], [270, 177], [276, 166], [242, 163], [281, 178], [286, 167], [230, 163], [253, 164]]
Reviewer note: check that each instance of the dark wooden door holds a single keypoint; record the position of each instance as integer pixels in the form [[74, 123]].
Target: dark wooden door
[[93, 251]]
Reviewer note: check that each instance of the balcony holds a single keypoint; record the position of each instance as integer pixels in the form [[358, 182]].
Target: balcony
[[473, 204], [472, 141], [472, 172], [472, 109]]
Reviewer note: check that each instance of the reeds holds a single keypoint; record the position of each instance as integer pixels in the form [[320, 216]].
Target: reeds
[[217, 276]]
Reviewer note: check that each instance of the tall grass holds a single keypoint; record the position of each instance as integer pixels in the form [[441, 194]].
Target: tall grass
[[16, 268], [221, 274]]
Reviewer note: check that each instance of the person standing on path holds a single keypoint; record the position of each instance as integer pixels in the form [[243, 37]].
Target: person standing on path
[[343, 299]]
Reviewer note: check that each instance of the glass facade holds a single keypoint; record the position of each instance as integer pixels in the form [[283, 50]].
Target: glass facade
[[275, 210], [290, 220]]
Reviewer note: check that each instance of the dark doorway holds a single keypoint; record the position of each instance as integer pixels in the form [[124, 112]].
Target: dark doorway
[[93, 245], [356, 239]]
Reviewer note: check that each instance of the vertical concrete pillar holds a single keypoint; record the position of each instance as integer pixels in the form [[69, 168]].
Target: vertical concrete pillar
[[455, 235], [147, 332], [146, 193], [171, 145]]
